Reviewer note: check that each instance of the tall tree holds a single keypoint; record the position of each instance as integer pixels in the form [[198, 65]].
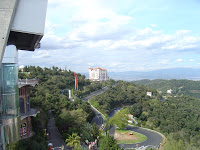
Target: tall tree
[[73, 141], [108, 143], [120, 119]]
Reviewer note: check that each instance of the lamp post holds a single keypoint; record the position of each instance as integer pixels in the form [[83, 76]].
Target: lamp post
[[45, 132]]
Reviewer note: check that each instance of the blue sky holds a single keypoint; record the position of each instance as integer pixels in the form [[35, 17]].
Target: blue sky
[[119, 35]]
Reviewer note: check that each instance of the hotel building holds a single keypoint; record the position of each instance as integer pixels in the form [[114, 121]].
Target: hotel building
[[98, 74]]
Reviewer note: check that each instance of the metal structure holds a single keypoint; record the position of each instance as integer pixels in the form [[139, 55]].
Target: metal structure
[[10, 114], [68, 91]]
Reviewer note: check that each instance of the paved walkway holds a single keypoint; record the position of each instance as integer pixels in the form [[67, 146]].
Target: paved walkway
[[55, 136]]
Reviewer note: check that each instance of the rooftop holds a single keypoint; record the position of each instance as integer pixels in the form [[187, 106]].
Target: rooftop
[[97, 68]]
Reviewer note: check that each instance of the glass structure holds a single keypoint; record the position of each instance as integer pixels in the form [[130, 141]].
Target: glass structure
[[9, 101]]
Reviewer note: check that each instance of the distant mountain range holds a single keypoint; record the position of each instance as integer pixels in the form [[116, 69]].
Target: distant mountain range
[[172, 73]]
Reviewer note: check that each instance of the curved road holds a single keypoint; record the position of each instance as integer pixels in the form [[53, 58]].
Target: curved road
[[98, 119], [153, 138]]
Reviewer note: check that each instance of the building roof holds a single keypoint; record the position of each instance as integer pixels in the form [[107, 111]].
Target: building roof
[[100, 68], [97, 68]]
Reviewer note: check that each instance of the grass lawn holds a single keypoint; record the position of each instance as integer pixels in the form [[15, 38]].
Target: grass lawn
[[123, 136]]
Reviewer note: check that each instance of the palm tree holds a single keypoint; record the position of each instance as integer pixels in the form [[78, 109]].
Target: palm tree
[[73, 141]]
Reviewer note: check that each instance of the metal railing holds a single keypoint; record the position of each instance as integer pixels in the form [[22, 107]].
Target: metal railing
[[32, 82], [33, 112]]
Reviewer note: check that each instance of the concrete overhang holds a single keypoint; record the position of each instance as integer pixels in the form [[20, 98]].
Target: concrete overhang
[[24, 41], [28, 25]]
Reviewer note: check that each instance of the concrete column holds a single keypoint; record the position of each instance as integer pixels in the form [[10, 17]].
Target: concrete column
[[7, 12]]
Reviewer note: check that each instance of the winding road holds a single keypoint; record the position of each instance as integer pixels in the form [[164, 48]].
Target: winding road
[[153, 138], [98, 119]]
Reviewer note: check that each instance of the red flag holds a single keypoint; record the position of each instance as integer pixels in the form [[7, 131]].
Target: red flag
[[76, 81]]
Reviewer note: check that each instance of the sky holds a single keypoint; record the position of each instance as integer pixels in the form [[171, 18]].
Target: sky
[[119, 35]]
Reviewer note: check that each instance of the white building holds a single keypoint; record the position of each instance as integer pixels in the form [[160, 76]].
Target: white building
[[169, 91], [149, 94], [98, 74]]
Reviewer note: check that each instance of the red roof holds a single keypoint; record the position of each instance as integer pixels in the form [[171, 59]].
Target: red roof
[[97, 68]]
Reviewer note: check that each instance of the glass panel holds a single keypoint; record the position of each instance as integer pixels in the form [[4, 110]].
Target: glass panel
[[10, 76], [9, 95], [12, 129], [10, 103]]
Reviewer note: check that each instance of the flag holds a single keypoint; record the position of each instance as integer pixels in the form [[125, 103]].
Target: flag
[[76, 81]]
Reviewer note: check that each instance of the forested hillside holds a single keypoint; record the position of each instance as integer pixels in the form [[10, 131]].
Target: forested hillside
[[177, 117], [48, 94], [124, 93], [70, 116], [179, 87]]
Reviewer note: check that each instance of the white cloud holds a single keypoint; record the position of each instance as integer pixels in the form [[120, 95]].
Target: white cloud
[[87, 33], [191, 60], [164, 62], [179, 60], [41, 54], [153, 25]]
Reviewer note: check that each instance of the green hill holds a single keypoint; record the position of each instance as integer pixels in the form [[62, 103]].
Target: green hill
[[179, 87]]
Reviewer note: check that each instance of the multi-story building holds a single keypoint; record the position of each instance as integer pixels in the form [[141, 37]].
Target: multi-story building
[[98, 74], [26, 111], [22, 26]]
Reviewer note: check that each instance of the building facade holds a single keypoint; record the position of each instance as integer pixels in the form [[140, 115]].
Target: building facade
[[149, 94], [98, 74], [22, 25], [26, 111]]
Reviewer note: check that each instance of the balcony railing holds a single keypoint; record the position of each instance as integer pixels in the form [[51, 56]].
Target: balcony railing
[[33, 112], [23, 82]]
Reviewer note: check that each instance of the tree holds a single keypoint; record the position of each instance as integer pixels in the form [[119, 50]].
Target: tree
[[136, 110], [73, 141], [108, 143], [79, 116], [120, 119], [86, 131], [95, 130]]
